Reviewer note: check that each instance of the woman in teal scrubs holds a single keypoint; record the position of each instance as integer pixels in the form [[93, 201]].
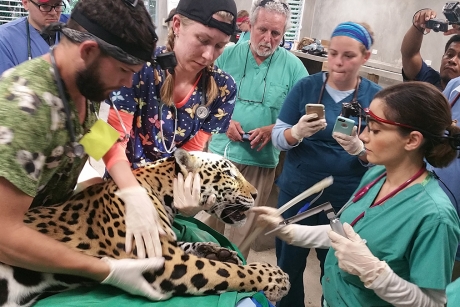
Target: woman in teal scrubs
[[400, 247]]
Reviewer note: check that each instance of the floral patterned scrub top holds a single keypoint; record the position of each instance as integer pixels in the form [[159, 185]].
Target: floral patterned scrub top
[[142, 100], [33, 134]]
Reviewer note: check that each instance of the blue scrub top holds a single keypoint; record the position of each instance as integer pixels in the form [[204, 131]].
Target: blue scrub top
[[13, 42]]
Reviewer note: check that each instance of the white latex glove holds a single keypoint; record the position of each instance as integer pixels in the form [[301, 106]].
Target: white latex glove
[[354, 256], [306, 128], [351, 143], [298, 235], [187, 195], [142, 222], [402, 293], [126, 274], [269, 218]]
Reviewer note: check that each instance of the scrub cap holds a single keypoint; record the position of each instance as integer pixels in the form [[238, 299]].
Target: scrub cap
[[202, 11]]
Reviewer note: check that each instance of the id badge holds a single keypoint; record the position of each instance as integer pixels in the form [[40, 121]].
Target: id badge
[[99, 139]]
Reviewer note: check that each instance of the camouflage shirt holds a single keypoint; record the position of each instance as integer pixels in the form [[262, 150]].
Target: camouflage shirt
[[33, 134]]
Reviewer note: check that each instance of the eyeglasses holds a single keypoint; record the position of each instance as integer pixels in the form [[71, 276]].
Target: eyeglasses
[[244, 75], [46, 8], [454, 140], [372, 116]]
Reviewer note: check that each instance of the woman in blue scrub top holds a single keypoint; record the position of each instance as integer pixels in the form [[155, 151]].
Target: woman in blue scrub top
[[312, 153], [400, 247]]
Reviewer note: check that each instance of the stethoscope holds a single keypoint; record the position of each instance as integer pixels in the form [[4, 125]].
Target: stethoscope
[[202, 112], [29, 49], [74, 147], [361, 192]]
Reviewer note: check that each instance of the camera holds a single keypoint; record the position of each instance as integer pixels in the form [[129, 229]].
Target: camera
[[245, 137], [437, 25], [167, 61], [452, 12], [350, 109]]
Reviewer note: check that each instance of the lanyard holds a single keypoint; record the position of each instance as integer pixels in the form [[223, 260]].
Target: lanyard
[[29, 51], [454, 101], [355, 95], [367, 187]]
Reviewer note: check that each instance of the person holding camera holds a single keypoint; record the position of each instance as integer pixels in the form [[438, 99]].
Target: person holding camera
[[264, 73], [413, 66], [400, 229], [312, 152]]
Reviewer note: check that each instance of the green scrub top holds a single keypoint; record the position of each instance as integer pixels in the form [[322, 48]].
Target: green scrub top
[[453, 293], [244, 37], [262, 89], [416, 232]]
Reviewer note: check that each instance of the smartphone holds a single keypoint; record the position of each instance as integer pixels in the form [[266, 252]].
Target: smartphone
[[245, 137], [311, 108], [343, 125]]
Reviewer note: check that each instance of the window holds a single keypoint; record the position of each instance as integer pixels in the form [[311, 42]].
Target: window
[[296, 20], [151, 6], [10, 10], [69, 6]]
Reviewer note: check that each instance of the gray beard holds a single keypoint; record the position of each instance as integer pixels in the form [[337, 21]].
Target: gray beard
[[264, 53]]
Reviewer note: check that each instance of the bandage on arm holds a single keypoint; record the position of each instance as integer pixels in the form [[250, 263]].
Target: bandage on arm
[[118, 151], [401, 293], [198, 142]]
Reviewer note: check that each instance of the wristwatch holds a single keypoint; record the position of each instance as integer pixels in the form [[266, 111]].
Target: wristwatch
[[362, 152]]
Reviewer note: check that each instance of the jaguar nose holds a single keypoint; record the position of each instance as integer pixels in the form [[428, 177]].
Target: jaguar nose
[[254, 195]]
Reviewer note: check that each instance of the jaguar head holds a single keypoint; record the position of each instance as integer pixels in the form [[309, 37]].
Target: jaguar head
[[234, 194]]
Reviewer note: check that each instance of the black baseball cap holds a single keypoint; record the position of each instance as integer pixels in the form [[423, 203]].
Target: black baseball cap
[[202, 11]]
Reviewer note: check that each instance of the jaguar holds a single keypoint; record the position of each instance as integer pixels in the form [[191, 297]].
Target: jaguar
[[92, 222]]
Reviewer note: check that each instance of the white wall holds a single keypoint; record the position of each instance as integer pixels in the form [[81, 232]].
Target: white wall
[[389, 20]]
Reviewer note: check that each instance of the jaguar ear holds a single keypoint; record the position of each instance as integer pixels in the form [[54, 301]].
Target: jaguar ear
[[186, 161]]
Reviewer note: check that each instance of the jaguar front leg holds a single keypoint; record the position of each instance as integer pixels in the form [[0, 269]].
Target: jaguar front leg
[[211, 251]]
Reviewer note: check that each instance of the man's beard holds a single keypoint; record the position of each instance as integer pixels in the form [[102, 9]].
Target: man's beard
[[265, 53], [89, 82]]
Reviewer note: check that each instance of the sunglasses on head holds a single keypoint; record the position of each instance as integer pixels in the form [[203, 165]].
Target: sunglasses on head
[[264, 2], [132, 3]]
